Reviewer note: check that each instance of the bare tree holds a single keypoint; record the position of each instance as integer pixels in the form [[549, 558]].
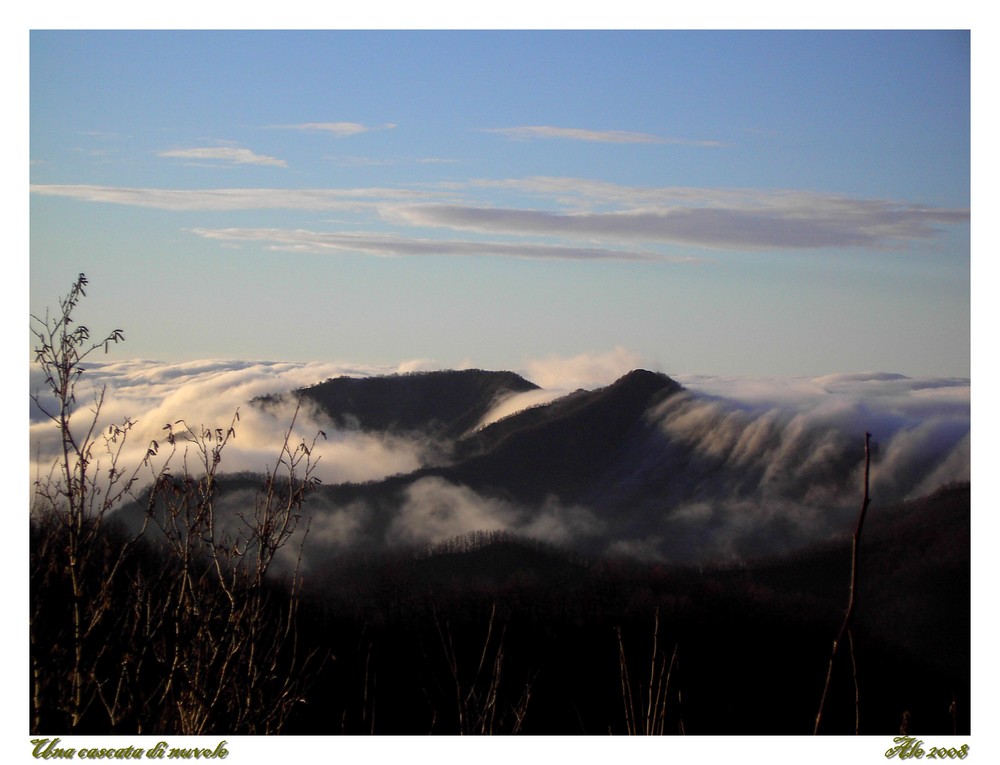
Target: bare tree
[[845, 627], [185, 630], [227, 646], [70, 505]]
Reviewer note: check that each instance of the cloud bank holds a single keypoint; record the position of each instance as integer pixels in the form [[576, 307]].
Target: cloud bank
[[208, 394], [731, 468], [773, 464]]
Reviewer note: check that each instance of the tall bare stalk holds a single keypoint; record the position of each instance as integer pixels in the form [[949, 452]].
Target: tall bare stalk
[[845, 627], [646, 711], [476, 699]]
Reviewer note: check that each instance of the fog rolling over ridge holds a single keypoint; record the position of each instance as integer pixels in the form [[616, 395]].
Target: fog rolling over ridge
[[694, 477], [686, 470]]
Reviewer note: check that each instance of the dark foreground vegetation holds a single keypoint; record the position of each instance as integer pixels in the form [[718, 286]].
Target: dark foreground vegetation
[[184, 623], [493, 634], [502, 635]]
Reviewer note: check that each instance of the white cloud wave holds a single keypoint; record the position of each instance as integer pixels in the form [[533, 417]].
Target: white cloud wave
[[208, 394], [518, 402], [803, 437], [889, 392]]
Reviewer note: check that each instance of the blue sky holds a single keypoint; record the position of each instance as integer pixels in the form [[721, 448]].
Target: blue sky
[[725, 203]]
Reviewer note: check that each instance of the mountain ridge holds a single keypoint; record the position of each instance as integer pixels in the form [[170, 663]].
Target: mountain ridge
[[445, 404], [560, 447], [640, 467]]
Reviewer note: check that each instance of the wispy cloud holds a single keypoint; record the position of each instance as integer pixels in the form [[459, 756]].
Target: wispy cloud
[[577, 192], [353, 161], [345, 161], [533, 132], [233, 199], [793, 222], [618, 217], [299, 240], [224, 154], [336, 129]]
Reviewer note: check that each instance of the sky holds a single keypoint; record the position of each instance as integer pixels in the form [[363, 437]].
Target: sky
[[717, 203]]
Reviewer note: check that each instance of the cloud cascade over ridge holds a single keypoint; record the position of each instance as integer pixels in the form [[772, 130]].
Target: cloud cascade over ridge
[[777, 461]]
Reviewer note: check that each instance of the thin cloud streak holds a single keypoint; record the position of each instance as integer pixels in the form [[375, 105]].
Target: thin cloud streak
[[532, 132], [225, 154], [337, 129], [577, 192], [875, 224], [353, 161], [299, 240], [219, 200]]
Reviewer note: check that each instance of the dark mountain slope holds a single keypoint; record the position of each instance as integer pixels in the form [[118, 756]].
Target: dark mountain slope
[[641, 467], [445, 404], [569, 451], [565, 447]]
